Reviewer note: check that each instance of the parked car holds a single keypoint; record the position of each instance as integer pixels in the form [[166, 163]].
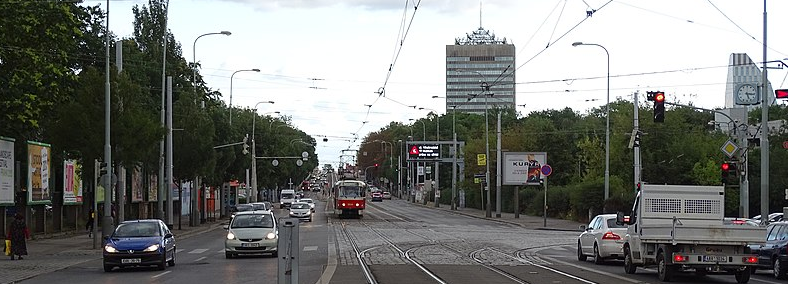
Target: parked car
[[377, 196], [602, 239], [301, 210], [310, 202], [773, 217], [773, 254], [387, 195], [251, 232], [139, 243]]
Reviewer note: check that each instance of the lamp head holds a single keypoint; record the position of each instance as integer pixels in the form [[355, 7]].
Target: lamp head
[[226, 32], [435, 97], [256, 70], [271, 102], [577, 43], [421, 108]]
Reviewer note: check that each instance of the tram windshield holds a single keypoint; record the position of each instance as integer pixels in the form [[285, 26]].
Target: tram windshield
[[351, 191]]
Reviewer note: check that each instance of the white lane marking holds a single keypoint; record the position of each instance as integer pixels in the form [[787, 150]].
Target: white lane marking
[[310, 248], [179, 250], [589, 269], [201, 258], [392, 215], [331, 266], [196, 251], [161, 274]]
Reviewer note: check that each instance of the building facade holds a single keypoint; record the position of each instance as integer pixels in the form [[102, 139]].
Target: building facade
[[742, 70], [480, 73]]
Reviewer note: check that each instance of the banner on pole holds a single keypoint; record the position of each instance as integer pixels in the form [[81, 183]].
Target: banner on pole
[[136, 185], [38, 173], [72, 182], [523, 168]]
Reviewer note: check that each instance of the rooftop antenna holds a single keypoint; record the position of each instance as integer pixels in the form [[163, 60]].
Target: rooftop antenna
[[480, 14]]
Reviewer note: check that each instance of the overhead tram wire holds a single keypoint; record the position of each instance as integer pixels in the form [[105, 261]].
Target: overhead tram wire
[[740, 28], [558, 21], [540, 27]]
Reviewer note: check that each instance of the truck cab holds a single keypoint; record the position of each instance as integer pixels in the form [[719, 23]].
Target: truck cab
[[286, 198]]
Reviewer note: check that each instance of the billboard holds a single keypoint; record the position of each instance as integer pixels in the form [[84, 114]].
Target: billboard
[[38, 173], [6, 171], [136, 185], [153, 188], [523, 168], [72, 182]]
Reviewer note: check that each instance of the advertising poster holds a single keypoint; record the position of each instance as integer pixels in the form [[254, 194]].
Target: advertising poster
[[136, 185], [72, 182], [153, 188], [523, 168], [38, 173], [6, 171]]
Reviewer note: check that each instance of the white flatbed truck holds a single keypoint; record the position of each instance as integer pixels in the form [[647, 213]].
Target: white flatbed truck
[[679, 228]]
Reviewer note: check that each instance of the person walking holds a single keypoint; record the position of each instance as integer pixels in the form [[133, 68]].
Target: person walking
[[18, 233], [89, 224]]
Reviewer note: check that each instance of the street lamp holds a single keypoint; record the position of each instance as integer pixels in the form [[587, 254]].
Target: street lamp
[[254, 157], [485, 90], [607, 123], [437, 164], [194, 57], [231, 90]]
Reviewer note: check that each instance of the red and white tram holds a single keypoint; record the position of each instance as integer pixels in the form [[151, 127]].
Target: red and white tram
[[349, 198]]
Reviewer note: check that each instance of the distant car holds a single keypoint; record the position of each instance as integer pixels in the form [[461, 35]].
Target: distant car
[[241, 208], [251, 232], [773, 254], [301, 211], [377, 196], [738, 221], [387, 195], [139, 243], [602, 239], [260, 206], [310, 202]]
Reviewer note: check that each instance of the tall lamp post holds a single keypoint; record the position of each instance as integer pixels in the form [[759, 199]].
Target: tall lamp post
[[437, 164], [253, 194], [456, 152], [607, 122], [485, 91], [194, 57], [231, 90]]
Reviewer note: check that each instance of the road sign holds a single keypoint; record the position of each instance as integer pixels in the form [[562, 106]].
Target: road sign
[[785, 144], [481, 159], [729, 148], [424, 152], [547, 170]]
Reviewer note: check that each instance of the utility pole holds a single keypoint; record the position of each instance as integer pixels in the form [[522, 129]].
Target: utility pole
[[498, 171], [636, 139], [168, 162], [106, 225], [764, 133]]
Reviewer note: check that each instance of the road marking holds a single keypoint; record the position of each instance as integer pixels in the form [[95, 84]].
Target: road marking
[[220, 251], [179, 250], [196, 260], [331, 266], [196, 251], [161, 274], [310, 248]]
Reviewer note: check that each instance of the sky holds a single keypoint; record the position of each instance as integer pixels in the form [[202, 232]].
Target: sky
[[324, 62]]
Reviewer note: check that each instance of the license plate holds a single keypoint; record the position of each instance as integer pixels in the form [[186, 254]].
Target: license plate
[[250, 245], [715, 258], [130, 260]]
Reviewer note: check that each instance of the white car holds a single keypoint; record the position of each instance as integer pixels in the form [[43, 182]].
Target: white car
[[602, 239], [301, 210], [310, 202], [251, 232]]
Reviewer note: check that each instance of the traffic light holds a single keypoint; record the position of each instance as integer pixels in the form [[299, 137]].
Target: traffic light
[[246, 146], [729, 173], [659, 107], [781, 94], [376, 165]]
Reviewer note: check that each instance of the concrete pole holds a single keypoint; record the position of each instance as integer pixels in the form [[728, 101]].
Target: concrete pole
[[764, 133], [636, 147], [121, 193], [107, 226], [498, 170], [454, 172], [488, 212], [248, 193], [161, 178], [437, 164], [168, 162]]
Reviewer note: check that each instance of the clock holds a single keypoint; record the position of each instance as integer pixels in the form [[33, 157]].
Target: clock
[[746, 94]]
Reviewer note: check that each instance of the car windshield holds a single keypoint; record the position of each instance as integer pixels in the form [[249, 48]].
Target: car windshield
[[299, 206], [259, 206], [611, 223], [253, 221], [137, 229], [307, 200], [244, 207], [287, 196]]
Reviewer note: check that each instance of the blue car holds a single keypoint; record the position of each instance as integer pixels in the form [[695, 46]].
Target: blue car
[[139, 243]]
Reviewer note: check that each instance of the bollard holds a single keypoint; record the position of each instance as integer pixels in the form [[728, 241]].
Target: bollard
[[288, 251]]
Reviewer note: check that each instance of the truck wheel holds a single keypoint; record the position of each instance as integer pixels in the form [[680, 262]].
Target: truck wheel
[[664, 271], [779, 268], [580, 255], [629, 266], [743, 276]]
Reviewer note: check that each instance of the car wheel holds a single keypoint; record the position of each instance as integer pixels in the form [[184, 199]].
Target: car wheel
[[228, 255], [779, 268], [172, 261], [629, 266], [597, 258], [107, 268], [580, 255]]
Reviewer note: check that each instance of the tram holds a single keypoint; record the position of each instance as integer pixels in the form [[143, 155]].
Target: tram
[[349, 198]]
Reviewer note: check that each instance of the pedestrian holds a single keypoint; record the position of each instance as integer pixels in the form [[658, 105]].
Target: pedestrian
[[89, 224], [17, 234]]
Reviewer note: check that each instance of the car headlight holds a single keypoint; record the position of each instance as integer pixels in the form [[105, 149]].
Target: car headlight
[[152, 248], [270, 236], [230, 236], [110, 249]]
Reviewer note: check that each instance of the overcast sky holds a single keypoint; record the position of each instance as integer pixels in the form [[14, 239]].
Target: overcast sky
[[322, 61]]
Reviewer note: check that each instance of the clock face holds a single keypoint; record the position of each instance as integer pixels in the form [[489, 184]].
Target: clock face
[[747, 94]]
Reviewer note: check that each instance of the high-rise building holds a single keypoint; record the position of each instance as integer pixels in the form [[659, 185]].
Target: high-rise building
[[480, 73]]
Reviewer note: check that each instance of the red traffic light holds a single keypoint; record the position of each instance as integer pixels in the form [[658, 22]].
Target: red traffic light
[[725, 166], [376, 165], [659, 97], [781, 94]]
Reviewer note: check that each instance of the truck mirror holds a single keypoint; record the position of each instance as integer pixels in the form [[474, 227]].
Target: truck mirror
[[620, 218]]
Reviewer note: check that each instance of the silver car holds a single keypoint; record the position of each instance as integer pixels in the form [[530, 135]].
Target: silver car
[[251, 232], [301, 210], [602, 239], [310, 202]]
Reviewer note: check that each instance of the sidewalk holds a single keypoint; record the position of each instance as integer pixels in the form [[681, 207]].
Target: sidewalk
[[57, 252], [525, 221]]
